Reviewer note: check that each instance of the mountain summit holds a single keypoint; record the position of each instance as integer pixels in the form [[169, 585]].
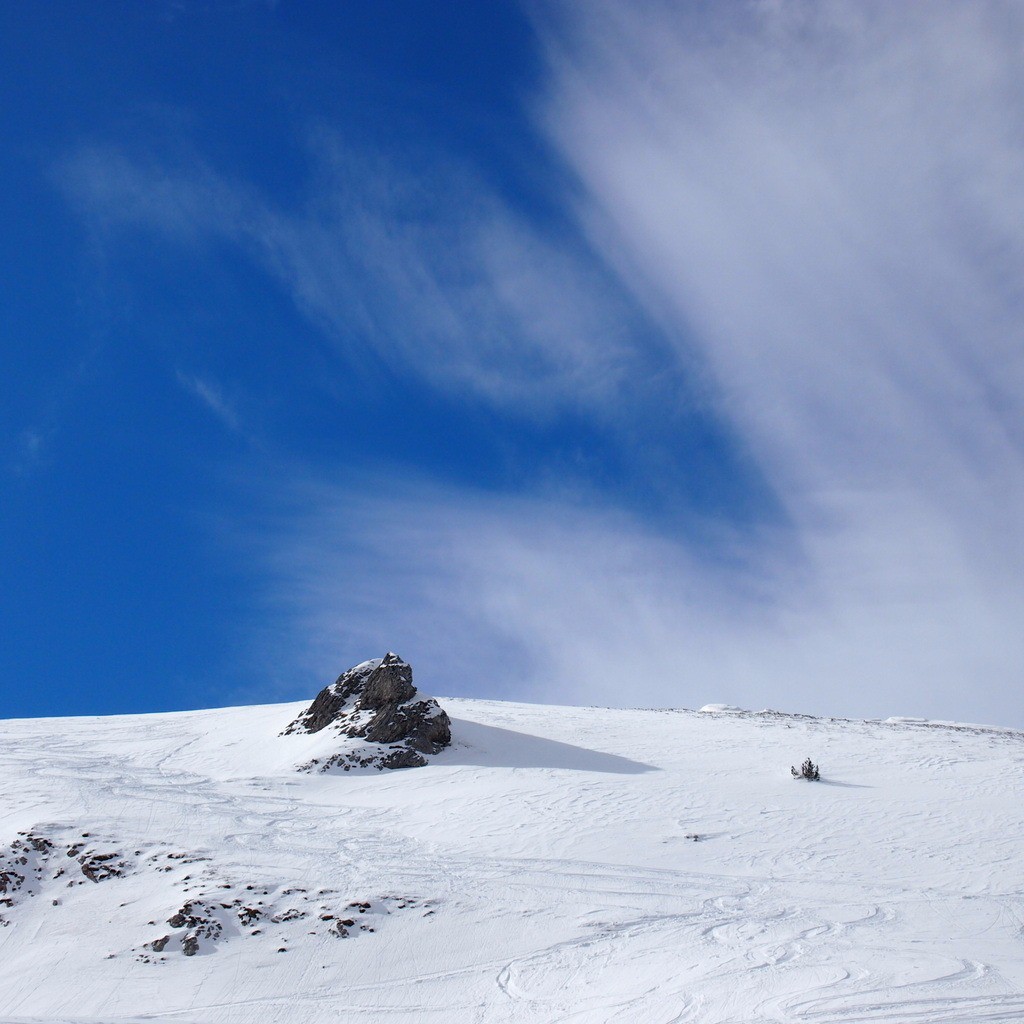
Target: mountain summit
[[375, 704]]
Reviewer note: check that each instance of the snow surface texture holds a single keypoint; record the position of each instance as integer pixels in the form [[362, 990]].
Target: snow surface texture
[[541, 869], [381, 722]]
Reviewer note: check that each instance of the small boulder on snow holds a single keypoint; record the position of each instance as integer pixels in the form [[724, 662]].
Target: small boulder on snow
[[376, 707]]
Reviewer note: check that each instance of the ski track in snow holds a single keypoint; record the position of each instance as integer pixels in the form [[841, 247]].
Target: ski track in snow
[[538, 871]]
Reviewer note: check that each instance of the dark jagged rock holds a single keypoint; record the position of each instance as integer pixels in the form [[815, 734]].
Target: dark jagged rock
[[389, 684], [332, 701], [376, 702]]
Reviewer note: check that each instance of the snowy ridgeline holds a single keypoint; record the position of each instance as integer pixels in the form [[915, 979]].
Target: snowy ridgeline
[[542, 867]]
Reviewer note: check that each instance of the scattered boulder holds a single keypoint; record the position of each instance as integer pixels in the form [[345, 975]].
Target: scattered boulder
[[376, 704]]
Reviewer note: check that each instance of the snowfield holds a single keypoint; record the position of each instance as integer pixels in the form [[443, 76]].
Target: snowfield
[[541, 869]]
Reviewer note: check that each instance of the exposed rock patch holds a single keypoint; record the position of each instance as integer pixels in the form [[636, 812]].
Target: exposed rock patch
[[376, 702], [205, 922], [34, 860], [43, 862]]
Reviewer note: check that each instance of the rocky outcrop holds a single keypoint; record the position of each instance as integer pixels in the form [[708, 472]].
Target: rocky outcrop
[[376, 706]]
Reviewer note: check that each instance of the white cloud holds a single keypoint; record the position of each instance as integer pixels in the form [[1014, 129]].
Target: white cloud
[[209, 393], [819, 203], [821, 191], [28, 451], [424, 269], [32, 442], [550, 600], [822, 200], [826, 195]]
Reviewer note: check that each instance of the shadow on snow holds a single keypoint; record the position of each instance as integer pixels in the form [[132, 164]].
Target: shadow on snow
[[492, 747]]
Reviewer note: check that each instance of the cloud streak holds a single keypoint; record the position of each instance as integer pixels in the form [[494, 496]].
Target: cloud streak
[[817, 190], [210, 395], [556, 600], [819, 203], [825, 194], [425, 271]]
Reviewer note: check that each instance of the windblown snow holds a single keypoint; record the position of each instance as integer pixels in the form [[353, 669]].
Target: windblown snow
[[553, 864]]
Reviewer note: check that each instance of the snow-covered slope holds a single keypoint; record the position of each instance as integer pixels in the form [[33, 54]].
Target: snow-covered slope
[[541, 869]]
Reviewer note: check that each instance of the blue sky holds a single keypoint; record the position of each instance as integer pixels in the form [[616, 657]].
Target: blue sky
[[646, 354]]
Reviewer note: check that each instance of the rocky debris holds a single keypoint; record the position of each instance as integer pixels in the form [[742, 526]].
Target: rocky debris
[[98, 867], [196, 921], [212, 915], [377, 703], [34, 859], [249, 915], [209, 913], [201, 924], [22, 866]]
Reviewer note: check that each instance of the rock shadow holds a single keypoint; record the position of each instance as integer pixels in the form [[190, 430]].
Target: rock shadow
[[492, 747]]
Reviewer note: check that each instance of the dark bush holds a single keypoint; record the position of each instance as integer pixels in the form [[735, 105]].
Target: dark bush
[[808, 770]]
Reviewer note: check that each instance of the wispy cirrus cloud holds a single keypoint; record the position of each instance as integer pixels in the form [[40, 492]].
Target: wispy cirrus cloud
[[210, 394], [826, 194], [424, 269], [559, 600], [820, 204]]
